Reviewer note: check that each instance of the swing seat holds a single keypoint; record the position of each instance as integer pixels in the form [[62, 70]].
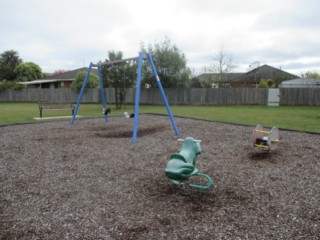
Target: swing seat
[[182, 164]]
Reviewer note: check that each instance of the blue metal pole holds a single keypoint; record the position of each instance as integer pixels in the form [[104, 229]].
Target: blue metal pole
[[154, 70], [137, 99], [81, 93], [103, 98]]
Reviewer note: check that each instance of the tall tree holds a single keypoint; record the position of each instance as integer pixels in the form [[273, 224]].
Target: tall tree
[[171, 65], [120, 76], [28, 71], [8, 62], [221, 64]]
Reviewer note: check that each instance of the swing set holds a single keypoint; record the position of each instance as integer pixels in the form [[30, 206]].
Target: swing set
[[106, 110]]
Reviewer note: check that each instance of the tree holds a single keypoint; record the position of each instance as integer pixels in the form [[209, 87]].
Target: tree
[[311, 74], [267, 83], [28, 71], [196, 83], [119, 76], [59, 71], [171, 65], [8, 62], [221, 64], [93, 81]]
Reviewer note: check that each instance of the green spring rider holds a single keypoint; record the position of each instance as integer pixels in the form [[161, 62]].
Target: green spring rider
[[182, 165]]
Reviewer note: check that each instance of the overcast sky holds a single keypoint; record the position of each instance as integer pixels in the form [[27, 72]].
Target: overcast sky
[[69, 34]]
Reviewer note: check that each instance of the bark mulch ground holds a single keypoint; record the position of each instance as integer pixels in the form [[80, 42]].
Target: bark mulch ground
[[87, 181]]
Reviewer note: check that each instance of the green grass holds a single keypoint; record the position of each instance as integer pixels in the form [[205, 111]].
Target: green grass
[[296, 118], [304, 118]]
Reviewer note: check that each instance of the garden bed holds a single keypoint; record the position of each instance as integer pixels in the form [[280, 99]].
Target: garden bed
[[87, 181]]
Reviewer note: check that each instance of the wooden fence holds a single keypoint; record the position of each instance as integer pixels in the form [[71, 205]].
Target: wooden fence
[[300, 96], [197, 96], [202, 96]]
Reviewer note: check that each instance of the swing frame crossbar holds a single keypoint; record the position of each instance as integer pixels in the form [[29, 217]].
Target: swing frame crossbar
[[117, 61], [142, 56]]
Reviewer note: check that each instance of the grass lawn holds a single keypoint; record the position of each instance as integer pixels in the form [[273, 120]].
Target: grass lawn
[[305, 118]]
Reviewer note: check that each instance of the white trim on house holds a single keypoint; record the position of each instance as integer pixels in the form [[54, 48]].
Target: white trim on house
[[46, 81], [301, 83]]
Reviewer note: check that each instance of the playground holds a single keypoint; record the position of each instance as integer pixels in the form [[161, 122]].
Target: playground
[[88, 181]]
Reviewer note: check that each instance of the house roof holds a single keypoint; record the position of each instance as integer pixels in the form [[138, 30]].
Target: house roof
[[253, 76], [65, 77], [215, 76], [265, 72], [70, 74]]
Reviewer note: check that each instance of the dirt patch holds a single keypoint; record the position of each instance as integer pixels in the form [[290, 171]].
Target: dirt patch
[[88, 181], [120, 133]]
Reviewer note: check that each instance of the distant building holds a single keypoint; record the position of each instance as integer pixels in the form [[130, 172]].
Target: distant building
[[249, 79], [60, 80], [301, 83]]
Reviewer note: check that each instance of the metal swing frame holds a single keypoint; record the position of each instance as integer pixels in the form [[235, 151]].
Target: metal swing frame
[[140, 59]]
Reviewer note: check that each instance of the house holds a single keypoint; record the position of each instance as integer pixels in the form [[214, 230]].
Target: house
[[61, 80], [249, 79], [215, 80], [301, 83]]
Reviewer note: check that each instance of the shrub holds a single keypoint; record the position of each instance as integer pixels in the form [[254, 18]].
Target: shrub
[[10, 85], [267, 83], [93, 81]]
